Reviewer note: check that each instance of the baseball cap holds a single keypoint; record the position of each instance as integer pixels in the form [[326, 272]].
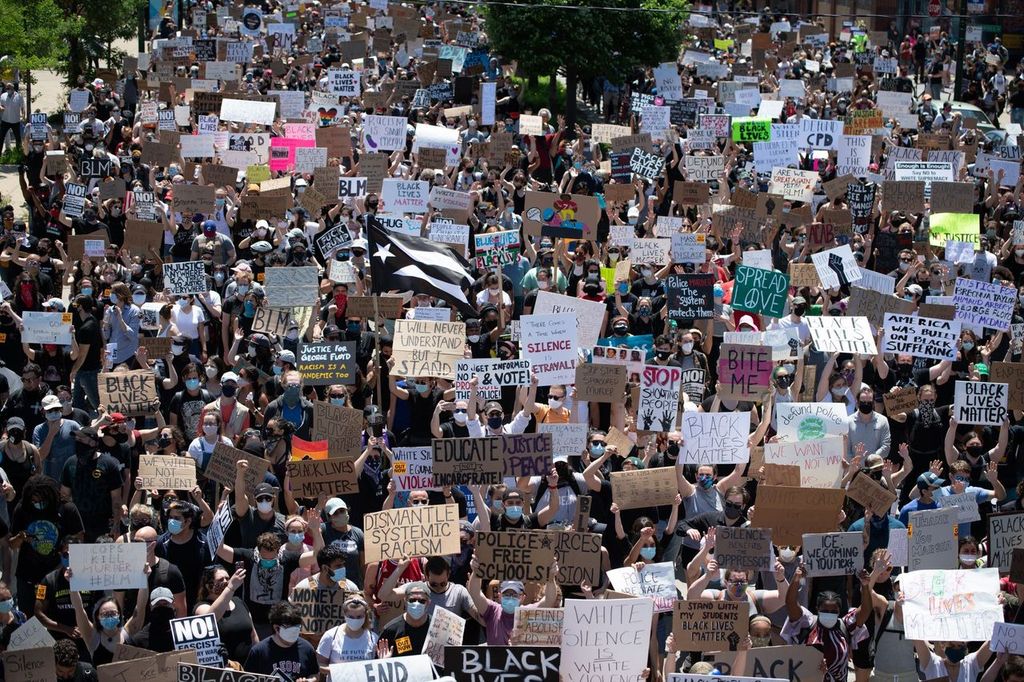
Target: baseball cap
[[493, 406], [799, 300], [513, 585], [637, 462], [929, 480], [261, 247], [873, 462], [51, 402], [55, 304], [161, 594], [359, 243], [265, 489], [746, 320], [334, 504], [262, 224], [287, 356], [117, 418], [229, 376], [981, 368], [15, 423], [260, 340]]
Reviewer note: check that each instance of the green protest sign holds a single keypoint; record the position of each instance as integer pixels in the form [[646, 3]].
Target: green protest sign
[[760, 291], [751, 129]]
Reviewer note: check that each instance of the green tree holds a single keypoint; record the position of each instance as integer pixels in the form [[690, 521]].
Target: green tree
[[33, 32], [100, 24], [565, 36]]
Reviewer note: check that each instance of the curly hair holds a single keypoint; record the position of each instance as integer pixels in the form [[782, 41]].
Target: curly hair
[[42, 487]]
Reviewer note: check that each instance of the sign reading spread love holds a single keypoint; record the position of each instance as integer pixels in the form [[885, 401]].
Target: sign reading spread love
[[760, 291]]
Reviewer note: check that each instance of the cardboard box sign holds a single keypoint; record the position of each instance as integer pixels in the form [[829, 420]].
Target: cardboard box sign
[[523, 556]]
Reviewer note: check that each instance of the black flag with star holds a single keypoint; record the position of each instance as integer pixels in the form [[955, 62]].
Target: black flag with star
[[400, 262]]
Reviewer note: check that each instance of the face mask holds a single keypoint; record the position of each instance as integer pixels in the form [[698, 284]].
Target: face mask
[[354, 623], [39, 505], [967, 345], [242, 289], [828, 620], [278, 369], [228, 391], [904, 370], [494, 422], [509, 604], [514, 513], [340, 519], [597, 450], [338, 401], [6, 605], [761, 641], [210, 429], [268, 563], [647, 553], [969, 559], [291, 393], [174, 526], [838, 392], [182, 302], [865, 407], [787, 555], [955, 654], [799, 310], [87, 291], [473, 338], [422, 388], [177, 350], [543, 284], [338, 574], [53, 415], [15, 437], [784, 381], [84, 449], [138, 299], [904, 266], [415, 609], [110, 622], [192, 384], [664, 354], [265, 507], [620, 329], [554, 404], [687, 348], [706, 481], [289, 634], [732, 512]]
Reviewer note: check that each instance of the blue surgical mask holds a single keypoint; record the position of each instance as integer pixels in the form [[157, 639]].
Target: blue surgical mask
[[192, 384], [967, 345], [249, 309], [296, 538], [87, 291], [277, 370], [514, 513], [174, 526], [53, 415], [338, 574], [597, 450], [138, 299], [415, 609], [6, 605], [268, 563], [828, 620], [648, 552], [422, 388], [115, 299], [353, 327], [338, 401], [509, 604], [110, 622]]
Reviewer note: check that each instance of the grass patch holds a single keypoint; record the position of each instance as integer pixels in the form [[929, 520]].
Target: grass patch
[[12, 156]]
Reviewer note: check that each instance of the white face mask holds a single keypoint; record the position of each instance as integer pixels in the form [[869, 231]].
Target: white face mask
[[554, 404], [1019, 253], [612, 257], [493, 292], [265, 507], [473, 338], [460, 417], [354, 623], [289, 635], [543, 284], [787, 555], [210, 429]]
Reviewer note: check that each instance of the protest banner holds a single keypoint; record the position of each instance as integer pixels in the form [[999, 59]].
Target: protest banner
[[827, 554], [744, 372], [646, 164], [467, 461], [411, 531], [791, 512], [289, 287], [526, 556], [1012, 374], [190, 672], [161, 472], [108, 566], [966, 505], [650, 251], [567, 440], [526, 454], [811, 421], [199, 633], [428, 348], [981, 402], [341, 427], [932, 539], [320, 608], [49, 328], [491, 376], [760, 291], [389, 307], [30, 635], [796, 663], [644, 488], [496, 248], [920, 336], [332, 239], [1005, 537], [654, 581], [600, 383], [333, 477], [501, 663], [326, 363], [659, 397], [592, 628], [717, 677], [747, 129], [984, 304], [30, 665], [188, 277], [537, 627], [445, 629], [961, 227], [688, 247], [870, 494], [715, 438], [842, 334], [222, 465], [578, 555], [690, 297], [745, 549], [950, 605], [820, 461], [900, 400], [417, 668], [704, 168], [952, 197], [709, 625], [549, 342], [561, 215], [131, 393], [836, 267], [589, 315]]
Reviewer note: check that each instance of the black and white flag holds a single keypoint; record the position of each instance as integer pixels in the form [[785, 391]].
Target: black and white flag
[[403, 262]]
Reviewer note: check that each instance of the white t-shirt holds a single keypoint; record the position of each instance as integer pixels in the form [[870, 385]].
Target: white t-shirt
[[969, 669], [188, 322], [337, 647]]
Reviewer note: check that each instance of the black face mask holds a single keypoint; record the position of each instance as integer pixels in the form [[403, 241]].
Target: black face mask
[[15, 437], [664, 354], [784, 381], [120, 438], [799, 309], [904, 370], [865, 407], [672, 450], [84, 449], [163, 442], [732, 512], [976, 450]]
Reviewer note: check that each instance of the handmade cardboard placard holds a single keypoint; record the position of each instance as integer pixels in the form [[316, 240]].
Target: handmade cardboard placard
[[30, 665], [537, 627], [600, 382], [333, 477], [981, 402], [791, 512], [900, 400], [932, 539], [221, 467], [131, 393], [340, 426], [744, 372], [870, 494], [389, 307], [524, 556], [161, 472], [644, 488], [748, 549], [1006, 540], [1011, 374], [828, 554], [432, 530], [709, 625]]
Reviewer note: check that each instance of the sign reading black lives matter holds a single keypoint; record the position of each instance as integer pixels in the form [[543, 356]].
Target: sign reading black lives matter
[[186, 278], [325, 363], [501, 663], [646, 164], [981, 402]]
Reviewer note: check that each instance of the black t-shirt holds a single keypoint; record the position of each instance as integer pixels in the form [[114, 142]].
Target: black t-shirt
[[55, 593], [265, 587], [164, 574], [88, 332], [91, 481], [189, 557], [235, 628], [45, 529], [405, 639], [189, 407], [298, 660]]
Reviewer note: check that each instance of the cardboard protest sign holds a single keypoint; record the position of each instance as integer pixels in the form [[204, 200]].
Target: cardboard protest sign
[[920, 336], [709, 625], [791, 512], [332, 476], [415, 668], [525, 556], [108, 566], [901, 400], [412, 468], [874, 305], [428, 348], [1011, 374], [46, 328], [600, 383], [644, 488], [797, 663], [30, 665], [966, 505], [131, 393], [587, 627], [496, 248], [561, 215], [567, 440], [984, 304], [199, 633], [870, 494], [467, 461], [189, 199], [744, 372], [842, 334], [836, 267], [760, 291], [793, 184], [445, 630], [537, 627], [974, 593], [190, 672], [932, 539], [188, 277], [589, 315], [411, 531], [167, 473], [655, 581], [811, 421], [341, 427], [981, 402], [320, 608], [747, 549], [549, 342], [659, 397], [820, 461], [271, 321], [388, 307], [495, 663], [1005, 537], [828, 554], [289, 287], [527, 454], [715, 438], [221, 467], [326, 363], [691, 296], [30, 635]]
